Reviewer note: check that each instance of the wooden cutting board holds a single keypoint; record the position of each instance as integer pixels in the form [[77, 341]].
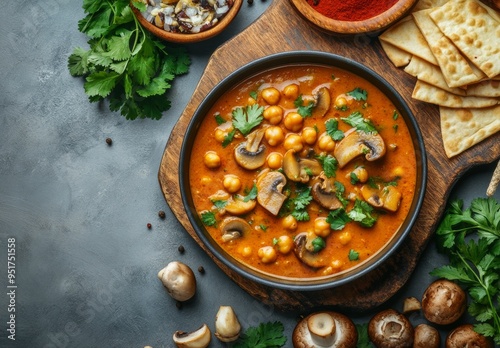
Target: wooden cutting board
[[281, 29]]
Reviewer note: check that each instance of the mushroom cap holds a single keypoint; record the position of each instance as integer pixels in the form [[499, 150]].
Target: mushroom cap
[[356, 143], [390, 329], [323, 101], [227, 326], [197, 339], [443, 302], [237, 206], [251, 154], [269, 187], [323, 192], [314, 260], [426, 336], [234, 227], [325, 329], [465, 336], [179, 280], [297, 169]]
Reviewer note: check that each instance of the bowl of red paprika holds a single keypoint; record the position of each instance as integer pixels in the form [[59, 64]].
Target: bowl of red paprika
[[351, 17]]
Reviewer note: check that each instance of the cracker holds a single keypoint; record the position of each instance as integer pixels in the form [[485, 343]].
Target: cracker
[[397, 56], [406, 36], [425, 4], [473, 30], [455, 68], [487, 88], [463, 128], [431, 74], [431, 94]]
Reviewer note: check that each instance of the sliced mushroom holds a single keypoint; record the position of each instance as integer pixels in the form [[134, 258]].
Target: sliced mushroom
[[411, 304], [269, 187], [323, 101], [465, 336], [299, 169], [251, 154], [323, 192], [197, 339], [356, 143], [234, 227], [237, 206], [325, 329], [389, 329], [227, 326], [387, 197], [308, 257]]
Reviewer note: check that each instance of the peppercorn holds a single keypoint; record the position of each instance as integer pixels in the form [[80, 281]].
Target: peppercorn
[[250, 2], [149, 226], [201, 270], [109, 141], [181, 249], [161, 214]]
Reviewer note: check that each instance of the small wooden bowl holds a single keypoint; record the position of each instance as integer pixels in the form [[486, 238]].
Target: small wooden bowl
[[184, 38], [368, 26]]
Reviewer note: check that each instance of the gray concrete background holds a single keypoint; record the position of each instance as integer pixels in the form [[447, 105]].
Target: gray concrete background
[[86, 263]]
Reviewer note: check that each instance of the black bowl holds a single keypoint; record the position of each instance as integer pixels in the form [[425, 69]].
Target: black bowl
[[275, 61]]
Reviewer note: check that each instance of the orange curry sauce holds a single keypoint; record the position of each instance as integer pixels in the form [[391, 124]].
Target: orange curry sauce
[[397, 166]]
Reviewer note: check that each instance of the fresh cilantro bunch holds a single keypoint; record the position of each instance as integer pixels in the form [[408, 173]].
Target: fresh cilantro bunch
[[471, 239], [125, 63], [266, 335]]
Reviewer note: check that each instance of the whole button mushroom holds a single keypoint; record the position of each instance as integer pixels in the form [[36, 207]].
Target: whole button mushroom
[[443, 302], [390, 329], [465, 336], [227, 326], [179, 280], [325, 329], [426, 336]]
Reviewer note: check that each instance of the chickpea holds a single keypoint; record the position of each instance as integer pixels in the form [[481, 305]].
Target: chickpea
[[293, 121], [222, 131], [321, 227], [293, 141], [267, 254], [309, 135], [251, 101], [206, 180], [340, 102], [212, 160], [325, 142], [291, 91], [273, 114], [245, 251], [274, 135], [336, 264], [289, 223], [271, 95], [231, 183], [275, 160], [398, 171], [284, 244], [361, 173], [345, 237]]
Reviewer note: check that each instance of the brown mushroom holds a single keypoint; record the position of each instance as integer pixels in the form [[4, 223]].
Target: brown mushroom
[[465, 336], [324, 193], [251, 154], [426, 336], [269, 191], [387, 197], [299, 169], [197, 339], [234, 227], [411, 304], [389, 329], [356, 143], [306, 254], [325, 329], [443, 302], [238, 206], [322, 102]]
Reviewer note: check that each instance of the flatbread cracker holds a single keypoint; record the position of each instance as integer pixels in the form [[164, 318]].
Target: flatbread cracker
[[463, 128], [488, 88], [473, 30], [397, 56], [431, 94], [431, 74], [406, 36], [454, 67], [425, 4]]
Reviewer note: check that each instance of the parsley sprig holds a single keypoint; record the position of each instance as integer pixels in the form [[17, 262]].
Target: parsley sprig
[[124, 63], [471, 239], [266, 335]]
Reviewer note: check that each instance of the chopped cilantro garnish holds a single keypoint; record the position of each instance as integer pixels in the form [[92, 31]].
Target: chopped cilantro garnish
[[332, 129], [254, 95], [395, 115], [353, 255], [361, 213], [208, 218], [300, 202], [303, 110], [228, 138], [318, 244], [219, 203], [329, 164], [245, 119], [337, 219], [357, 121], [252, 194], [358, 94], [219, 119], [354, 178]]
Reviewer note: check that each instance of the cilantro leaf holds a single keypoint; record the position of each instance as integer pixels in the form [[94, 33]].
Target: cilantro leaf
[[245, 119], [358, 94], [208, 218], [332, 129], [252, 194], [330, 165], [303, 110], [361, 213], [337, 219], [353, 255], [265, 335], [318, 244], [357, 121]]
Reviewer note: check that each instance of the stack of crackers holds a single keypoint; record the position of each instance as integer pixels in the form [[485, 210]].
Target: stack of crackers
[[452, 47]]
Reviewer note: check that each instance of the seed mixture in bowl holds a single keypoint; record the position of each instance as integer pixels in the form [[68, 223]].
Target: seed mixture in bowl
[[186, 16]]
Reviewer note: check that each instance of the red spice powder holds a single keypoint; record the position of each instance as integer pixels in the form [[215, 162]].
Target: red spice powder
[[351, 10]]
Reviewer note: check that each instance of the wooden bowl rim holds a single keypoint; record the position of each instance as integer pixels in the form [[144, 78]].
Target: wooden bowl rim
[[374, 24], [186, 37]]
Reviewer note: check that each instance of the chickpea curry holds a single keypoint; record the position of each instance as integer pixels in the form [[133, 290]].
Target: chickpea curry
[[303, 171]]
